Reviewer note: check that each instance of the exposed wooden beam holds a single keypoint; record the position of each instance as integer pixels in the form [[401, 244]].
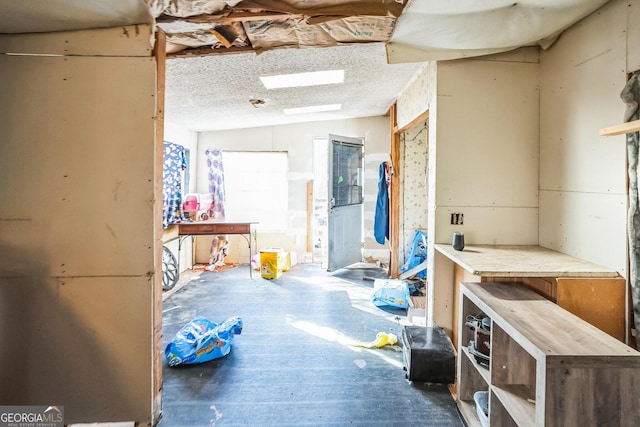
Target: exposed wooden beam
[[207, 50], [229, 18], [224, 38], [159, 52], [421, 118]]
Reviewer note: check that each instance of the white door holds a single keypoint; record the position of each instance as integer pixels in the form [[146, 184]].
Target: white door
[[345, 201]]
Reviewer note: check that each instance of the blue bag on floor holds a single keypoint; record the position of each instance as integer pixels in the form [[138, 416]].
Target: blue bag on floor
[[418, 254], [390, 292], [202, 340]]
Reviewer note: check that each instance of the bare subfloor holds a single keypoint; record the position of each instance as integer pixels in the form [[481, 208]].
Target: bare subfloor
[[295, 363]]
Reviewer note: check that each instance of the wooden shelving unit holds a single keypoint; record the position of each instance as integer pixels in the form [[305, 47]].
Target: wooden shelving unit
[[548, 367]]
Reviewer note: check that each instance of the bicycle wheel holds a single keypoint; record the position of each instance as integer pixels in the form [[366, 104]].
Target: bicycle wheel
[[170, 273]]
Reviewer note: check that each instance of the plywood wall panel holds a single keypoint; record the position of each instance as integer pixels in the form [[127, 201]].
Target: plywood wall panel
[[633, 36], [129, 40], [487, 134], [87, 225], [77, 164], [589, 226], [77, 339], [489, 225], [581, 78]]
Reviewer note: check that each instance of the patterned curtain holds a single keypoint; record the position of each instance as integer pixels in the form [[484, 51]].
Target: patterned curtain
[[631, 97], [216, 182], [173, 165]]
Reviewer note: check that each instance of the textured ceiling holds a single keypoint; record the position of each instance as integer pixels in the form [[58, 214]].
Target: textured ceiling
[[210, 88], [213, 92]]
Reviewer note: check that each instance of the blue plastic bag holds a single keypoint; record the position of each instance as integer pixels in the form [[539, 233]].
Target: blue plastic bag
[[418, 254], [390, 292], [201, 340]]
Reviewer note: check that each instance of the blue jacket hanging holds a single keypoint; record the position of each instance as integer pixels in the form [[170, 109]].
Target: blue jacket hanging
[[381, 220]]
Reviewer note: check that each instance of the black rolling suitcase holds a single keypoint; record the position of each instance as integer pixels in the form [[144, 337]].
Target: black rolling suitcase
[[428, 355]]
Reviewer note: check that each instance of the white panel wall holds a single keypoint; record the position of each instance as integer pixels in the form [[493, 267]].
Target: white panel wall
[[297, 141], [583, 175], [77, 238], [486, 161], [483, 156]]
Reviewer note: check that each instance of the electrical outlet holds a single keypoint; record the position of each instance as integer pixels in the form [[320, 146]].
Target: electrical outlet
[[457, 218]]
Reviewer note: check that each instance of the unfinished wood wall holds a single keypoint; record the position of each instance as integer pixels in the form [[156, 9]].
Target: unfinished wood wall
[[77, 234]]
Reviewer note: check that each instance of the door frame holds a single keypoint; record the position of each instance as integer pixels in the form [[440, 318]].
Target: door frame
[[394, 187]]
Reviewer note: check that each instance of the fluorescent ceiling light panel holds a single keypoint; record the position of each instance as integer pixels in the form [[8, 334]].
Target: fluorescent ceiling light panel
[[313, 78], [313, 109]]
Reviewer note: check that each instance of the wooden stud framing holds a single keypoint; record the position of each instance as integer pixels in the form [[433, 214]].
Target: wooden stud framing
[[394, 195], [160, 55]]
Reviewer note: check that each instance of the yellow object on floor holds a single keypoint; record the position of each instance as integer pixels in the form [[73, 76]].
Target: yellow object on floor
[[273, 261], [382, 339]]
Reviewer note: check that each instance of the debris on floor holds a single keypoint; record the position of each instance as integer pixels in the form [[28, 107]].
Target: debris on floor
[[391, 292], [382, 339], [202, 340], [215, 268], [416, 260], [219, 268]]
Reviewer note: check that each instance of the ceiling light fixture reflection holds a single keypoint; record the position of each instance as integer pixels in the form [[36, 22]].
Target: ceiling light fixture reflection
[[313, 78], [313, 109]]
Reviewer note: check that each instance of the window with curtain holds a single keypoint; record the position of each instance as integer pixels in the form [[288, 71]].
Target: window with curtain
[[256, 188]]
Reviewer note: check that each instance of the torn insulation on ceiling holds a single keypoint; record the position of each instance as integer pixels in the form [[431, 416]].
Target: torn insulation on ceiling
[[195, 28]]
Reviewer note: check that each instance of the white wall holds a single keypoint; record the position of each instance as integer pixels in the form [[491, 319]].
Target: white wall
[[297, 141], [583, 175], [78, 233], [483, 156], [486, 161]]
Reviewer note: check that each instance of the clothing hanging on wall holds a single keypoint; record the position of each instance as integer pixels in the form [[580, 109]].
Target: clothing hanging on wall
[[381, 219], [216, 182], [631, 97], [173, 165]]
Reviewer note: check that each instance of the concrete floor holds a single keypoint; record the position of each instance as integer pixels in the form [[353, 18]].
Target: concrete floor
[[295, 363]]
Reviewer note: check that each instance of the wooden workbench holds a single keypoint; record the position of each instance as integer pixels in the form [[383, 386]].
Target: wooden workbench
[[590, 291]]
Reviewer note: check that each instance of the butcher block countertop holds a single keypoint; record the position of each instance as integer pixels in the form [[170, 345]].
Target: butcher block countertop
[[521, 261]]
